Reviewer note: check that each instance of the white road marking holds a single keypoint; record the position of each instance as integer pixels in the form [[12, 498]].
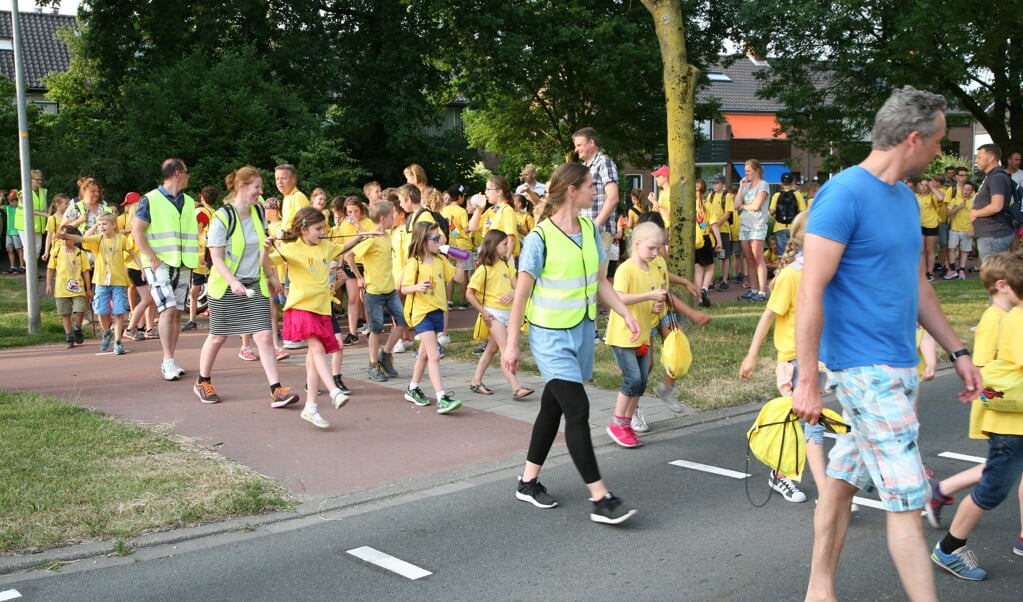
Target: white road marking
[[386, 561], [963, 457], [830, 435], [711, 469], [868, 502], [9, 594]]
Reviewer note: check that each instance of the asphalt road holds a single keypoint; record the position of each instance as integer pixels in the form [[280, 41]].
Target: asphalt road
[[696, 537]]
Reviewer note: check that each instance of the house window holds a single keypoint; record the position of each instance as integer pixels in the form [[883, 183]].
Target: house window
[[6, 44], [717, 76], [633, 181]]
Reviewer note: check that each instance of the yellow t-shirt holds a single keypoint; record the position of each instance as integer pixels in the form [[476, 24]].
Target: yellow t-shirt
[[458, 223], [399, 250], [952, 195], [493, 282], [68, 264], [110, 268], [274, 229], [631, 278], [377, 266], [309, 270], [928, 210], [419, 304], [501, 217], [783, 303], [525, 222], [726, 204], [52, 225], [960, 220], [1010, 348], [800, 202], [346, 230], [664, 204], [290, 205], [711, 214]]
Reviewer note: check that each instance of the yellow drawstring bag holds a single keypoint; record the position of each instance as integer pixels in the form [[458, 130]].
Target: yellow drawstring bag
[[1003, 386], [776, 437], [676, 355], [480, 331]]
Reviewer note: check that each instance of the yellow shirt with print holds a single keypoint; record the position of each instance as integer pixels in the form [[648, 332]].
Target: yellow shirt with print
[[439, 271], [960, 220], [493, 282], [346, 230], [377, 266], [68, 264], [800, 202], [405, 238], [725, 202], [782, 303], [458, 222], [664, 205], [309, 271], [929, 205], [631, 278], [290, 205], [711, 214], [1005, 328], [501, 217], [952, 195], [109, 252]]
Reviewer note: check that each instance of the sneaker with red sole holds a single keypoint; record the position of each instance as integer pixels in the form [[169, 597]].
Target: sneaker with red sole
[[247, 354]]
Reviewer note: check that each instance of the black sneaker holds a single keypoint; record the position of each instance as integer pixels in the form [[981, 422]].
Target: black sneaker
[[387, 361], [350, 339], [79, 336], [610, 510], [704, 298], [480, 348], [69, 343], [534, 493], [376, 372], [340, 384]]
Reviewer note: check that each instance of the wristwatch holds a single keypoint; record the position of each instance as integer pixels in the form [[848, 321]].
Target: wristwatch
[[954, 355]]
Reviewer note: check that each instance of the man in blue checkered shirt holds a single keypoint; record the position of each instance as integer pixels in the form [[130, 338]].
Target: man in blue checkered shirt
[[605, 181]]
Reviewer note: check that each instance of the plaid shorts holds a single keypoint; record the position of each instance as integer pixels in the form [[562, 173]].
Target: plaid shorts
[[881, 450]]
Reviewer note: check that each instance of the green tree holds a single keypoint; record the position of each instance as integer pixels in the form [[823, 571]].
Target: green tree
[[834, 63]]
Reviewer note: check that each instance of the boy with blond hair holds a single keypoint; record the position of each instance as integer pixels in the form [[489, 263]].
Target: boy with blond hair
[[1001, 322], [67, 279]]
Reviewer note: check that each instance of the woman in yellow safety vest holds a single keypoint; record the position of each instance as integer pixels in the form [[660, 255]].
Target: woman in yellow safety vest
[[556, 291]]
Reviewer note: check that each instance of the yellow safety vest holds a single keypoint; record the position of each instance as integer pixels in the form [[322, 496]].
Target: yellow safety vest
[[566, 291], [38, 204], [233, 253], [173, 235]]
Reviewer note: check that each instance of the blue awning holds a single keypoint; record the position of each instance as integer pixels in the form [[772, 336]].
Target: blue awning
[[772, 171]]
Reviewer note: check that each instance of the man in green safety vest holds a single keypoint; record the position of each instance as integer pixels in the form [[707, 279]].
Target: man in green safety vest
[[38, 211], [167, 235]]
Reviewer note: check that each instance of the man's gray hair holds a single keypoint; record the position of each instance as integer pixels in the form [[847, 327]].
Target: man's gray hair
[[907, 110]]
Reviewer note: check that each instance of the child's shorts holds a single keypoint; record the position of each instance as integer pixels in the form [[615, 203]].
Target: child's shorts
[[198, 279], [960, 240], [375, 306], [14, 242], [1001, 470], [501, 315], [431, 322], [68, 305], [136, 277], [110, 300]]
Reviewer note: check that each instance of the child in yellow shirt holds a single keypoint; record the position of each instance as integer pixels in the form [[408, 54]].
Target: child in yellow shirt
[[67, 279]]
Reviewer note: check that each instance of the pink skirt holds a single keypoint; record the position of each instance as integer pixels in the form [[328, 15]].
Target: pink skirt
[[300, 325]]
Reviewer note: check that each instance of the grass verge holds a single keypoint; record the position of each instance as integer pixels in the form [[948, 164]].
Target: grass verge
[[71, 475], [14, 315]]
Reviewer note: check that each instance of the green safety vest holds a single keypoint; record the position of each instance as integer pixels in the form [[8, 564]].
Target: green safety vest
[[38, 204], [218, 285], [173, 236], [80, 207], [566, 291]]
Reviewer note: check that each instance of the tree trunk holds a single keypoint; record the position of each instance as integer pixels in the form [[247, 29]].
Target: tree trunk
[[680, 99]]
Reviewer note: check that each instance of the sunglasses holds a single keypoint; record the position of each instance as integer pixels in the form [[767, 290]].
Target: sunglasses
[[433, 238]]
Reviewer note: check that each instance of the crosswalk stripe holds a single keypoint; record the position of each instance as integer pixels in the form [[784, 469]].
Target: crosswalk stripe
[[386, 561], [868, 502], [711, 469], [963, 457], [9, 594]]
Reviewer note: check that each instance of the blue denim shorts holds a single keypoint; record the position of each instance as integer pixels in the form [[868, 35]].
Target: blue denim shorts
[[110, 300], [634, 370], [812, 433], [431, 322], [1001, 471], [375, 305]]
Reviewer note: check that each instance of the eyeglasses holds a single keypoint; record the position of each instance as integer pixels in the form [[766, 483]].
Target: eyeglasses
[[489, 188], [433, 238]]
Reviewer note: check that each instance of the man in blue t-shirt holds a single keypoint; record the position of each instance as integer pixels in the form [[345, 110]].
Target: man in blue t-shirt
[[862, 292]]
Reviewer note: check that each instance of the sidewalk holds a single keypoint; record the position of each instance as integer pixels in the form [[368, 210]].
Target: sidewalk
[[377, 439]]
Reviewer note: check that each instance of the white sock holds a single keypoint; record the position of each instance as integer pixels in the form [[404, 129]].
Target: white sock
[[311, 407], [440, 394], [413, 385]]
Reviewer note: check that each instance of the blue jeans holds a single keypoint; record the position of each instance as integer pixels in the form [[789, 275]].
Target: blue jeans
[[1004, 463], [375, 305], [781, 240], [634, 370], [991, 246]]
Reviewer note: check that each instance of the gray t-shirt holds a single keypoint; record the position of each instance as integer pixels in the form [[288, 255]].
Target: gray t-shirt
[[248, 267], [756, 219], [998, 225]]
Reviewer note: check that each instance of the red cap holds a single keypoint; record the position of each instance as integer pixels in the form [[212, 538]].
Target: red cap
[[660, 171], [131, 198]]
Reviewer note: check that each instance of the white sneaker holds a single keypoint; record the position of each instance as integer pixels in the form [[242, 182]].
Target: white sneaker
[[174, 362], [315, 418], [363, 330], [639, 422], [400, 347], [294, 345], [443, 339], [786, 488], [169, 371], [339, 397], [669, 395]]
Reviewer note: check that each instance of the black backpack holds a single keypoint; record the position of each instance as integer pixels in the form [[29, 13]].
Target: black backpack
[[787, 207], [442, 222], [1014, 204]]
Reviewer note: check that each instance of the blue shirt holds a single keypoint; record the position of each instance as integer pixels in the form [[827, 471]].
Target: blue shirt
[[142, 211], [870, 305]]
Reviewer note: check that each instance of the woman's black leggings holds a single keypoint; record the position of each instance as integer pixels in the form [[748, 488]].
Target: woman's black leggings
[[563, 397]]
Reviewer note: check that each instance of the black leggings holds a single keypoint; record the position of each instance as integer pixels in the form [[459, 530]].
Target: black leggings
[[568, 398]]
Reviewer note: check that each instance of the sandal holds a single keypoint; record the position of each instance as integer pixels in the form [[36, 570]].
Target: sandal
[[481, 388], [522, 393]]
